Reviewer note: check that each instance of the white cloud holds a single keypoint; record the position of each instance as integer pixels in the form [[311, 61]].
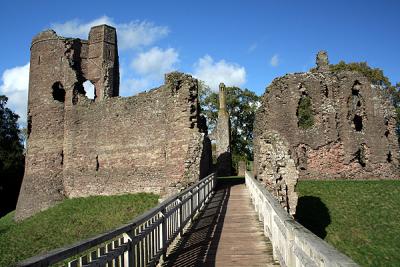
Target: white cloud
[[14, 84], [132, 86], [252, 47], [274, 61], [213, 73], [89, 89], [155, 62], [131, 35], [76, 28]]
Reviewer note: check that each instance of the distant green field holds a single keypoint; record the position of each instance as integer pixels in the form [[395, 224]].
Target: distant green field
[[359, 218], [66, 223]]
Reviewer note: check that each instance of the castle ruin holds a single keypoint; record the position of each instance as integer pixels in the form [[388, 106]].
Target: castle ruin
[[152, 142], [221, 134], [323, 125]]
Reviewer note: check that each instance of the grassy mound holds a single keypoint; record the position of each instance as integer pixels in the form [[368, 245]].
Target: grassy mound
[[359, 218], [66, 223]]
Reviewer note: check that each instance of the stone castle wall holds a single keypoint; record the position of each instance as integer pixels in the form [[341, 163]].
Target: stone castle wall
[[352, 135], [152, 142]]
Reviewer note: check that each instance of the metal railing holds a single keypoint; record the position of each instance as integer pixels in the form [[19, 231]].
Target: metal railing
[[141, 242], [293, 244]]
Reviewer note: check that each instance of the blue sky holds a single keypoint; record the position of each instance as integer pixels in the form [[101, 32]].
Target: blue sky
[[243, 43]]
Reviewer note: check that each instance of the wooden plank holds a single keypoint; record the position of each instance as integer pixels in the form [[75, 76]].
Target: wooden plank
[[226, 233]]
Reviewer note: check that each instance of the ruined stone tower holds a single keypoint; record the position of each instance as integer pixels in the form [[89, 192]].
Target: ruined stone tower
[[152, 142], [323, 125], [222, 136]]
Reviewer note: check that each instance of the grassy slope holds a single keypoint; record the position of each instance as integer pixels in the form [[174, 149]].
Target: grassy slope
[[360, 218], [66, 223]]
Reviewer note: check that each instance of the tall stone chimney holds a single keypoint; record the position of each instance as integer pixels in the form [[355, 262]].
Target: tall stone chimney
[[223, 137]]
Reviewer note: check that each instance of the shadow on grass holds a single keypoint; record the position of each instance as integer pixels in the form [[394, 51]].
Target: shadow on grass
[[313, 214]]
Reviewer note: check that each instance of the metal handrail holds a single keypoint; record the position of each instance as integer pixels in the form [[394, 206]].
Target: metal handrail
[[141, 242]]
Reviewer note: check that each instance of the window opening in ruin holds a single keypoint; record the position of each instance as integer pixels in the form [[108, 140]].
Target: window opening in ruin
[[358, 124], [355, 90], [359, 104], [62, 157], [389, 157], [360, 156], [97, 163], [38, 60], [304, 112], [387, 133], [90, 90], [58, 92], [29, 126]]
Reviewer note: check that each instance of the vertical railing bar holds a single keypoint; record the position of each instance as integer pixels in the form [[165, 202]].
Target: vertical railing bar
[[147, 244], [164, 234], [142, 248], [151, 252]]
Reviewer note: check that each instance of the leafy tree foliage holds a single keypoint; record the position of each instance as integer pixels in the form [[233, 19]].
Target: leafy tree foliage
[[11, 157], [377, 77], [304, 113], [241, 106]]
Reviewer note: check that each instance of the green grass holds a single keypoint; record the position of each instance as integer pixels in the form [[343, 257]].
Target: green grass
[[66, 223], [359, 218]]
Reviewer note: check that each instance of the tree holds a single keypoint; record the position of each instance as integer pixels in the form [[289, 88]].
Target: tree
[[241, 105], [11, 157], [376, 77]]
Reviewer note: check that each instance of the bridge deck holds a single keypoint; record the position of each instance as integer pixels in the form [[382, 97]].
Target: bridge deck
[[226, 233]]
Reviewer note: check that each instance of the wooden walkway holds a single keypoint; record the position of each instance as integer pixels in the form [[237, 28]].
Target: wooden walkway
[[226, 233]]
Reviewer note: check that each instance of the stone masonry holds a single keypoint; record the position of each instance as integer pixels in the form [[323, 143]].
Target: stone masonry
[[152, 142], [352, 134], [222, 135]]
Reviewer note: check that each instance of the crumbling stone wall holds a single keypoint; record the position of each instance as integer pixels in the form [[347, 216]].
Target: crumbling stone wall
[[222, 136], [152, 142], [277, 170], [349, 134]]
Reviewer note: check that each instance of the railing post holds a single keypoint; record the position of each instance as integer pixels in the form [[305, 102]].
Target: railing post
[[132, 256], [197, 196], [164, 234], [180, 219]]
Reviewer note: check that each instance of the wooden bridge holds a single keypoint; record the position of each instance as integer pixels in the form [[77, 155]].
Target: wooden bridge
[[227, 222], [225, 233]]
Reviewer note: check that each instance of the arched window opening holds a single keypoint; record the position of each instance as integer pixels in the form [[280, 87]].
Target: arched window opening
[[58, 92], [90, 90]]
